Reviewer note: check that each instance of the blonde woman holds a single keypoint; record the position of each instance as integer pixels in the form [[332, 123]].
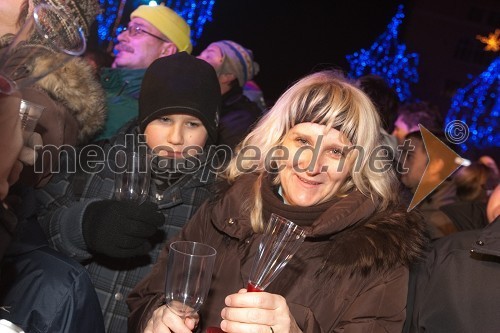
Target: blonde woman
[[311, 159]]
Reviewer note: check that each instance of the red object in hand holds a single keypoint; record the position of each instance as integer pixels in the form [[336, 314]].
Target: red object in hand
[[252, 288]]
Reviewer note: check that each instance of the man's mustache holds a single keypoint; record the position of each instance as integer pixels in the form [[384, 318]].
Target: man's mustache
[[124, 47]]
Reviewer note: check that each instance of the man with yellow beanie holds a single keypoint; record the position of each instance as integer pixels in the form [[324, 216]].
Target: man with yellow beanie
[[153, 32]]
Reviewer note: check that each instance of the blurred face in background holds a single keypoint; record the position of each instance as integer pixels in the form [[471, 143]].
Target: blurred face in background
[[213, 55], [416, 163], [401, 129], [9, 15], [137, 48]]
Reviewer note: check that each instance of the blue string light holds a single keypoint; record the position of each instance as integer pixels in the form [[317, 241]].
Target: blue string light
[[388, 59], [106, 19], [196, 14], [478, 106]]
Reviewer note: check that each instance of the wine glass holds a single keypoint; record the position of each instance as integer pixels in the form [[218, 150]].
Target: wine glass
[[280, 241], [45, 31], [189, 273], [132, 176]]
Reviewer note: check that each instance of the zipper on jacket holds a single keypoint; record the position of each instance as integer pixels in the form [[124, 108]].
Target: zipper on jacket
[[123, 88]]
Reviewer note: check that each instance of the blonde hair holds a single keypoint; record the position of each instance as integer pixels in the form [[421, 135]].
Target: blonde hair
[[325, 98]]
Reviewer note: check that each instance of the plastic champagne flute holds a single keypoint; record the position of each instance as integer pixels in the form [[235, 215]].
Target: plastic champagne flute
[[189, 273], [132, 176], [280, 241]]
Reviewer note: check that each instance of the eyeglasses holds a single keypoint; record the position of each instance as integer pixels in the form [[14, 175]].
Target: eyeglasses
[[134, 30]]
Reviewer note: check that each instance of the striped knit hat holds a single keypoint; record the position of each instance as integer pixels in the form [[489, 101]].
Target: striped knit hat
[[83, 11], [61, 27], [238, 61]]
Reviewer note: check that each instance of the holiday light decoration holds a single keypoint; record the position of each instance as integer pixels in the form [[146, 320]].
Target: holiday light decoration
[[492, 41], [388, 58], [196, 14], [478, 106], [106, 20]]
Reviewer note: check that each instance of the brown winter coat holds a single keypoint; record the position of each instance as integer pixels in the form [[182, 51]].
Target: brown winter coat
[[350, 275], [75, 109]]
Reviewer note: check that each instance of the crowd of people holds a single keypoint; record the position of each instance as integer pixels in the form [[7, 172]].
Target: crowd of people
[[339, 157]]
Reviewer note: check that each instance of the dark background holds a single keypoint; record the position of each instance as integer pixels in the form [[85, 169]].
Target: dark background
[[292, 39]]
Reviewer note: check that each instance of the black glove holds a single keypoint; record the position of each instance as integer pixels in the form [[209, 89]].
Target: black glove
[[120, 229]]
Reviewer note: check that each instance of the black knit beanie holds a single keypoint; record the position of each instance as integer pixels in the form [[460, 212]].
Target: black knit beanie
[[180, 84]]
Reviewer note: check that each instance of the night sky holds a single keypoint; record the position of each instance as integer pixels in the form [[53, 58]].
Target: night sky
[[292, 39]]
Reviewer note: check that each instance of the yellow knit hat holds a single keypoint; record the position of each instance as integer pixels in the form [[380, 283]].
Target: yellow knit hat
[[169, 23]]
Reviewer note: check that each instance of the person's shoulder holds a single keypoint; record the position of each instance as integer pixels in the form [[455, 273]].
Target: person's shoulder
[[242, 105], [462, 240], [117, 77], [225, 191], [401, 234], [54, 265], [127, 134], [382, 242], [61, 260]]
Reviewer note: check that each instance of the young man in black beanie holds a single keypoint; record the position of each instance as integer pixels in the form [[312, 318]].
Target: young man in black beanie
[[119, 241]]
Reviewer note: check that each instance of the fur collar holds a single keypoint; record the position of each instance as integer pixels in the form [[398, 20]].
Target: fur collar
[[387, 239], [76, 87]]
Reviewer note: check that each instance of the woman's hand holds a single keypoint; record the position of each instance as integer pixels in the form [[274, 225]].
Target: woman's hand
[[257, 312], [165, 321]]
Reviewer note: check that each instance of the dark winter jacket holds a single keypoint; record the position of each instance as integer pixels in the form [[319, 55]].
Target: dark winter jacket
[[350, 274], [238, 114], [42, 290], [438, 223], [457, 286], [65, 199], [8, 223], [122, 88]]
